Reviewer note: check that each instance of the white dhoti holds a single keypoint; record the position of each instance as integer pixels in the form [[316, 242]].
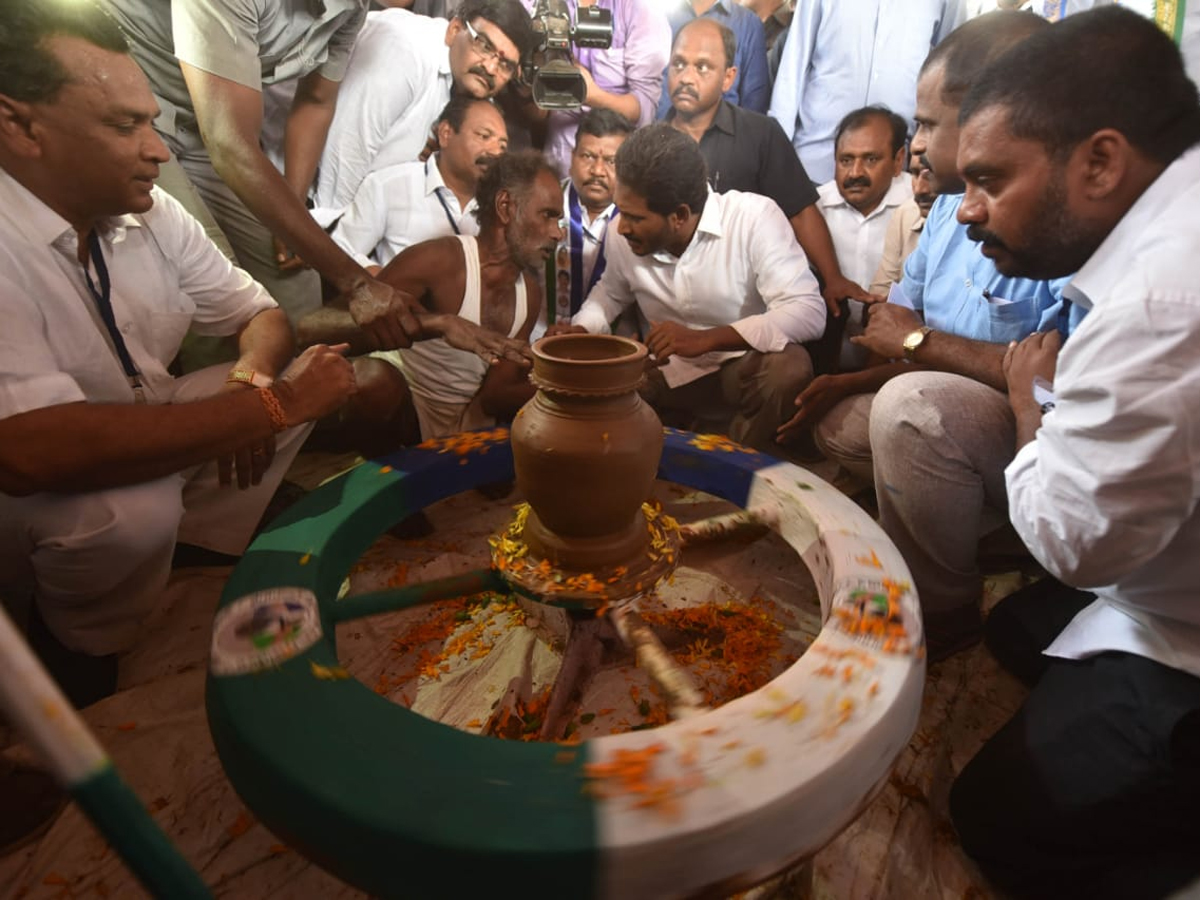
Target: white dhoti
[[98, 561]]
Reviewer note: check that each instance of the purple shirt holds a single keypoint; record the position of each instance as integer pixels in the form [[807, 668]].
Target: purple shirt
[[634, 64]]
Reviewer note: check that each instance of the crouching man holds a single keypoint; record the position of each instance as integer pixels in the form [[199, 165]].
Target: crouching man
[[106, 459], [723, 289]]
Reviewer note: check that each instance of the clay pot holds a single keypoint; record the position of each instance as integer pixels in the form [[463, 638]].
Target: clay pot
[[586, 450]]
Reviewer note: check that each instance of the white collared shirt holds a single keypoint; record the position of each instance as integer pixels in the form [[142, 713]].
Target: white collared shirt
[[167, 276], [1107, 495], [396, 85], [400, 206], [858, 239], [743, 268]]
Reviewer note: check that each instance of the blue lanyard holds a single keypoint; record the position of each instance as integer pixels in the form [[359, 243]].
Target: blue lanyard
[[103, 298], [576, 245]]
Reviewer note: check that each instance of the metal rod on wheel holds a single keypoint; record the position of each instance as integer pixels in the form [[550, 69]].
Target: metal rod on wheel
[[682, 697]]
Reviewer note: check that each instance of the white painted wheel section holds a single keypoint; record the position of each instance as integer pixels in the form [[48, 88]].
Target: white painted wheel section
[[813, 746]]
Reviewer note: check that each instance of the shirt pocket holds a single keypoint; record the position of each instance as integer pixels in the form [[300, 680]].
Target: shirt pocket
[[1011, 320]]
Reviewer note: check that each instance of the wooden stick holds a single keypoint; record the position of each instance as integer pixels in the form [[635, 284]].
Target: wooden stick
[[682, 697]]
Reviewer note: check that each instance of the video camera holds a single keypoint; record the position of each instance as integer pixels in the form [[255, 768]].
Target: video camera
[[549, 69]]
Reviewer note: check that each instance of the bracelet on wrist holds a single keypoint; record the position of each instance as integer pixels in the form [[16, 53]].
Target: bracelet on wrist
[[274, 409]]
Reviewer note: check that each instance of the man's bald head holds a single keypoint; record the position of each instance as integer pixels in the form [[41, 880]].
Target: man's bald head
[[710, 28]]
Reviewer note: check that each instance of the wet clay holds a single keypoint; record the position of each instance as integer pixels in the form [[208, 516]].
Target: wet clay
[[586, 450]]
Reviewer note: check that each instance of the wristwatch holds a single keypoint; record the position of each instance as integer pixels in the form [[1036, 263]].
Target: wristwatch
[[913, 341], [249, 377]]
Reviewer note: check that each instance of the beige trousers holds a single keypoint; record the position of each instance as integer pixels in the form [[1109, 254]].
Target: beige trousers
[[936, 445]]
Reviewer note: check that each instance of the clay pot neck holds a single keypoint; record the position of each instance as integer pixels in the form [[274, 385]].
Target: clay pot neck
[[588, 365]]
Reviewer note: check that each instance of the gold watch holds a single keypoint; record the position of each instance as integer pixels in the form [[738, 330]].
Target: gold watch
[[913, 341], [249, 377]]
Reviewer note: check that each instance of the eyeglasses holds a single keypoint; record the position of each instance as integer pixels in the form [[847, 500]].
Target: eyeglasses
[[590, 159], [485, 48]]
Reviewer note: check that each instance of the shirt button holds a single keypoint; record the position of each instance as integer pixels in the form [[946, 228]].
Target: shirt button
[[967, 282], [127, 327]]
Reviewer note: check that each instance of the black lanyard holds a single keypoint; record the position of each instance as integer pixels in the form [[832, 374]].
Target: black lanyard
[[104, 305], [446, 209], [437, 192]]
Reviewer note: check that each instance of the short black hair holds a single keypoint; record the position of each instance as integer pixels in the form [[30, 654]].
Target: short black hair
[[972, 46], [1106, 68], [664, 166], [602, 123], [507, 15], [860, 117], [29, 72], [728, 38], [455, 112], [513, 172]]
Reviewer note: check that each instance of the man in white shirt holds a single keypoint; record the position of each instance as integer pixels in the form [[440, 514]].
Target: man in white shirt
[[415, 201], [840, 56], [721, 283], [588, 204], [400, 77], [866, 188], [1081, 151], [858, 203], [106, 459]]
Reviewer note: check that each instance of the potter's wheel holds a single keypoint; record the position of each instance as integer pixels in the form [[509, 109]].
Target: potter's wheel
[[398, 804]]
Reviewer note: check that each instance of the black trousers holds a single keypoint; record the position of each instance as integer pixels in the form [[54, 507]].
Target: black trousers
[[1093, 788]]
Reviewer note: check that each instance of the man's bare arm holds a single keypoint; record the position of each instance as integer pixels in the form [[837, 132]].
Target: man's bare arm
[[812, 234], [230, 118], [888, 325], [266, 343], [76, 447]]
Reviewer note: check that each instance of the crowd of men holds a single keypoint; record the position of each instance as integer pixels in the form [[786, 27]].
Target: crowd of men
[[958, 257]]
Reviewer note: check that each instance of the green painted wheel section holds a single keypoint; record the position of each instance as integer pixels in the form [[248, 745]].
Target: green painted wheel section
[[394, 803], [391, 802]]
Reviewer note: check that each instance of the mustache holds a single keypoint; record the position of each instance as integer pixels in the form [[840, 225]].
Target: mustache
[[485, 160], [981, 235], [926, 198], [686, 92], [599, 182], [485, 75], [862, 181]]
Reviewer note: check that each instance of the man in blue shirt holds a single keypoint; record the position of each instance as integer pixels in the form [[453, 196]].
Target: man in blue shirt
[[751, 89], [939, 431]]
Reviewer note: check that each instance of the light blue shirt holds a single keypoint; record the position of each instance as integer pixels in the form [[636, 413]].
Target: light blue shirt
[[844, 54], [959, 291]]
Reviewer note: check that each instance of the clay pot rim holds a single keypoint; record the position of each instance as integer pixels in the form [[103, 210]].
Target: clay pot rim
[[637, 351]]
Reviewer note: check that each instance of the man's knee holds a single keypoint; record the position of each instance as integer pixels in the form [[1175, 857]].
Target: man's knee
[[112, 547], [118, 529], [900, 412], [382, 391], [786, 373]]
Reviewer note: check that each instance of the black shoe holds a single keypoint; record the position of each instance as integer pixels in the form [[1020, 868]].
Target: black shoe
[[30, 801], [952, 631]]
